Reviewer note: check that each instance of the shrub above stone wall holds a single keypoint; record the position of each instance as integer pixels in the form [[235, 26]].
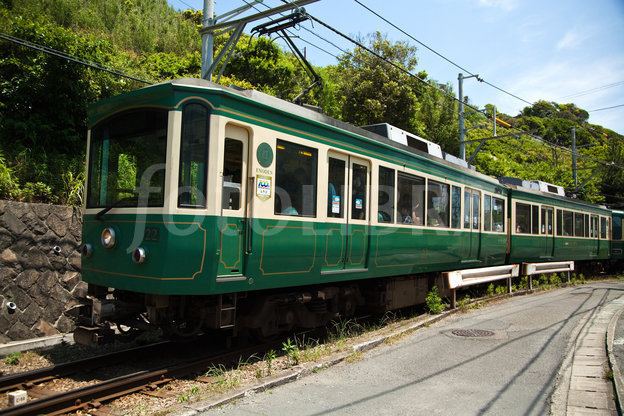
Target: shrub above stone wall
[[39, 268]]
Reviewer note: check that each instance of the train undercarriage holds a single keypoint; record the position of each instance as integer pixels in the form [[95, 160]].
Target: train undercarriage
[[263, 314]]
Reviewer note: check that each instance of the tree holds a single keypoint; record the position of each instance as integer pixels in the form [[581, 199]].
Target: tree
[[44, 101], [371, 91], [436, 117]]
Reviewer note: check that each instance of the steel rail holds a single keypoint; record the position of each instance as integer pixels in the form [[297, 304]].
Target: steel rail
[[28, 379], [93, 396]]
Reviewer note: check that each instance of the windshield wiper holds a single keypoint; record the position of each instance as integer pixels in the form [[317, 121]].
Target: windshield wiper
[[107, 208]]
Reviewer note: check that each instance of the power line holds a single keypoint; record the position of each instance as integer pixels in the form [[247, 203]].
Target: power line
[[309, 31], [393, 64], [593, 90], [188, 5], [66, 56], [520, 131], [413, 38], [439, 54], [606, 108]]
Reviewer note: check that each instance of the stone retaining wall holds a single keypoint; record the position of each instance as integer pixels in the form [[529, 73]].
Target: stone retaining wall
[[39, 268]]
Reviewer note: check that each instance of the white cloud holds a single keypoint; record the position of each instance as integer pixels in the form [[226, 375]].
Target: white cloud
[[561, 77], [570, 40], [502, 4]]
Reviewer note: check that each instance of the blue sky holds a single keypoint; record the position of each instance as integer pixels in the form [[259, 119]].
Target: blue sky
[[534, 49]]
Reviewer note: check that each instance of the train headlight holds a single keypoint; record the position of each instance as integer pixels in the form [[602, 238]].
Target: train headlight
[[108, 238], [86, 250], [139, 255]]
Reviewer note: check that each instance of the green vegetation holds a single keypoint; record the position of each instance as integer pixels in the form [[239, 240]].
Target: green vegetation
[[13, 358], [269, 358], [44, 99], [291, 349], [434, 302]]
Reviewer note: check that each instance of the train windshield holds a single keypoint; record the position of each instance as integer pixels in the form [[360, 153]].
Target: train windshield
[[127, 160]]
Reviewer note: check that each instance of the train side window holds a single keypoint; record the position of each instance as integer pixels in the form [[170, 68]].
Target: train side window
[[498, 215], [617, 228], [603, 227], [467, 198], [586, 217], [336, 188], [438, 204], [232, 174], [295, 180], [593, 226], [358, 192], [487, 213], [476, 210], [551, 215], [559, 222], [411, 197], [535, 219], [385, 208], [578, 225], [523, 218], [543, 222], [456, 207], [568, 223], [193, 156]]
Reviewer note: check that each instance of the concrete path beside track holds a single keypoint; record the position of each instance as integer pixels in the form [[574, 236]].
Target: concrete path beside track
[[512, 372]]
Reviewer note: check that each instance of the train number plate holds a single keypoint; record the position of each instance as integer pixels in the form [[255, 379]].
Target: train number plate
[[151, 234]]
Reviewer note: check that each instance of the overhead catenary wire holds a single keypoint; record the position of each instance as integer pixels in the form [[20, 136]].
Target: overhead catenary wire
[[440, 54], [66, 56], [188, 5], [606, 108], [520, 131], [470, 72], [593, 90], [309, 31], [393, 64]]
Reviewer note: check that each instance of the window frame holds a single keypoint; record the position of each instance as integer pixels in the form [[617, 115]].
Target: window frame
[[448, 216], [503, 223], [314, 176], [392, 200], [423, 201], [206, 156], [242, 184]]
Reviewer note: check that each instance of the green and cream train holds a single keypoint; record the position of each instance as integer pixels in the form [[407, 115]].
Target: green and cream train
[[211, 207]]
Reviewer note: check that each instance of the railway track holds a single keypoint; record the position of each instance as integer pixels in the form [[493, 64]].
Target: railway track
[[93, 396], [28, 379]]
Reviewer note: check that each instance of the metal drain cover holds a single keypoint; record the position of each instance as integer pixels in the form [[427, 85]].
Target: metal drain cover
[[472, 333]]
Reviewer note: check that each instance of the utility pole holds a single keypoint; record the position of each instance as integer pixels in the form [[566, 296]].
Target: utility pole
[[207, 39], [462, 130], [494, 119], [574, 158]]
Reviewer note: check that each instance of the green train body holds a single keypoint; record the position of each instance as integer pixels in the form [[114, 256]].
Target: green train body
[[242, 149], [617, 242]]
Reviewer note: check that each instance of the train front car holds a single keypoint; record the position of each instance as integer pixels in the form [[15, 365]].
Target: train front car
[[143, 234]]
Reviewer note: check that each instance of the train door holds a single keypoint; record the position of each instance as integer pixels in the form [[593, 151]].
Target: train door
[[348, 184], [233, 218], [336, 231], [547, 230], [472, 223], [593, 234], [358, 214]]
